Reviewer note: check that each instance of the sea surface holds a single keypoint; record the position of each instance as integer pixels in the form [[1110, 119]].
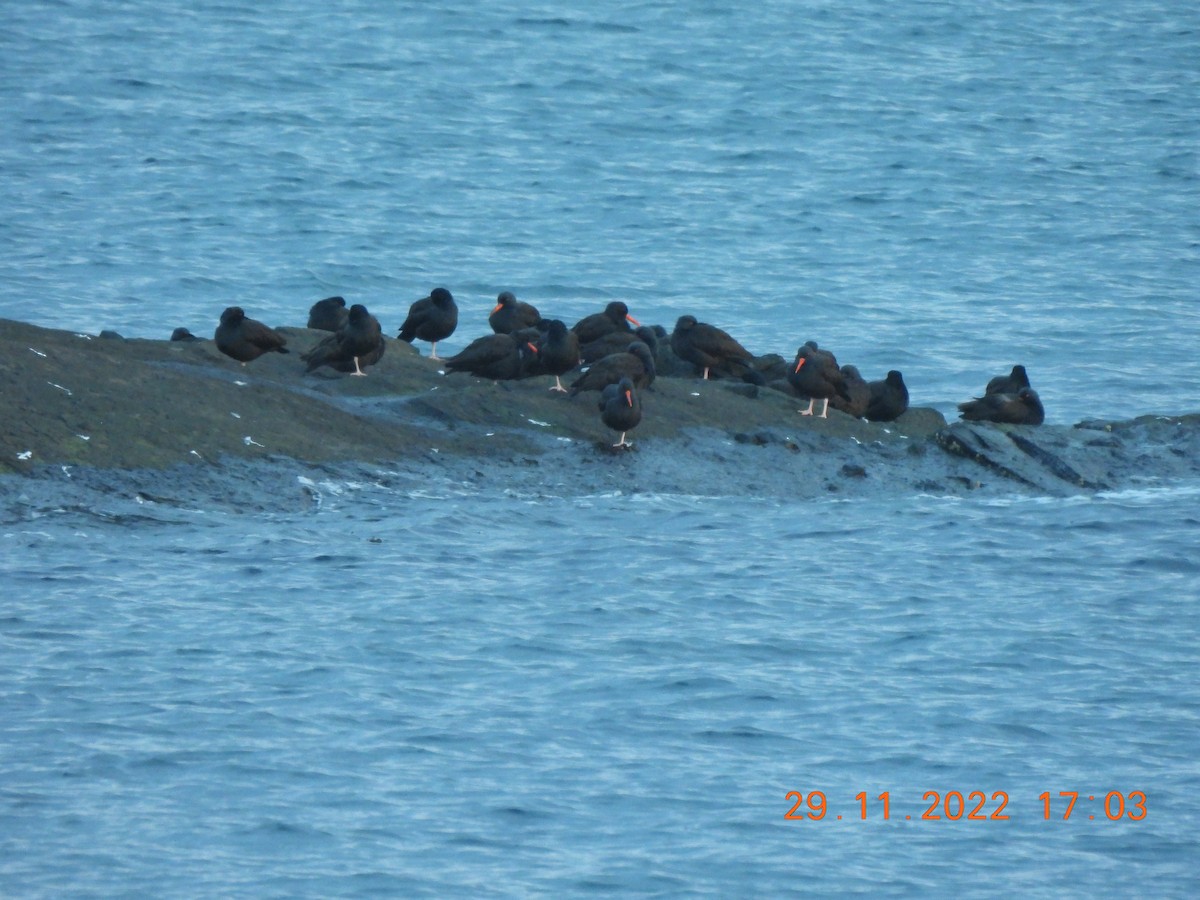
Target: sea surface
[[417, 687]]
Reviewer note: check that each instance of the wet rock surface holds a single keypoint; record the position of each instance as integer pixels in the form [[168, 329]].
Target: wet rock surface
[[170, 417]]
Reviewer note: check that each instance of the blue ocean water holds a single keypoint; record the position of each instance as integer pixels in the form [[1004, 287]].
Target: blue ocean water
[[936, 189], [406, 687], [407, 692]]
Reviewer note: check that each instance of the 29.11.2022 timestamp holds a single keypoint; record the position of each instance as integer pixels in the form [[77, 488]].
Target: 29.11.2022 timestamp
[[971, 806]]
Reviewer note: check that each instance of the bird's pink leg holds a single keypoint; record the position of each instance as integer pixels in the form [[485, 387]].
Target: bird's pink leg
[[825, 409], [558, 385], [357, 370], [809, 411]]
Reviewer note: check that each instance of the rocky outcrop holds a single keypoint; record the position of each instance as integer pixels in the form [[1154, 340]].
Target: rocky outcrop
[[73, 401]]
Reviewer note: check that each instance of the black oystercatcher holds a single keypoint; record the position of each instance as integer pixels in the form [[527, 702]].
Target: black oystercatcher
[[510, 314], [1010, 383], [1022, 408], [359, 342], [432, 319], [182, 334], [635, 363], [328, 314], [859, 391], [617, 341], [621, 409], [501, 357], [816, 376], [889, 398], [708, 347], [615, 317], [558, 352], [246, 339]]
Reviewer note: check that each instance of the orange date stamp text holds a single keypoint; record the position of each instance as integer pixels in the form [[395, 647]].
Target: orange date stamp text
[[970, 806]]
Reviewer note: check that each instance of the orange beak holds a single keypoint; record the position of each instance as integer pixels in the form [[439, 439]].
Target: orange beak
[[800, 362], [629, 398], [497, 307], [531, 346], [632, 319]]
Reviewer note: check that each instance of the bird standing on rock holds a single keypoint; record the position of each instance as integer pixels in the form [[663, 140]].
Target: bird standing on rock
[[432, 319], [1010, 383], [510, 314], [246, 339], [558, 352], [859, 391], [635, 363], [617, 341], [621, 409], [358, 343], [1022, 408], [889, 398], [816, 376], [615, 317], [501, 357], [708, 347]]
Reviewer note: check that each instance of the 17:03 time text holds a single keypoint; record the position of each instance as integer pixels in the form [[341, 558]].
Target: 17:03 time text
[[974, 806]]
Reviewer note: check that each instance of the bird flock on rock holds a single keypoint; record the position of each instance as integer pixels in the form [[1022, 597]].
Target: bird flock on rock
[[611, 352]]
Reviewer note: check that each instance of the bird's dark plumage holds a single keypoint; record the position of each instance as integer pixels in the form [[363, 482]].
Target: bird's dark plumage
[[889, 398], [432, 319], [620, 408], [617, 341], [815, 375], [358, 343], [859, 391], [511, 314], [182, 334], [328, 314], [709, 348], [246, 339], [558, 352], [615, 317], [1021, 408], [501, 357], [1010, 383], [635, 363]]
